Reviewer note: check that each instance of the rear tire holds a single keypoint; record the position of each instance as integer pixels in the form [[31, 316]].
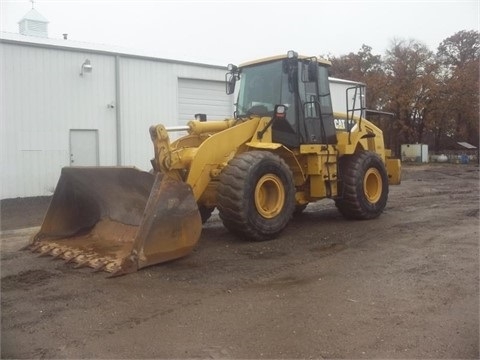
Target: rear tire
[[256, 195], [363, 187]]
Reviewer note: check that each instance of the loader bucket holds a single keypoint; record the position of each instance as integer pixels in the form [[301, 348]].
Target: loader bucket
[[118, 219]]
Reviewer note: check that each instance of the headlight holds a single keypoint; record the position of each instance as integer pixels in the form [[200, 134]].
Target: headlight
[[231, 67], [292, 54]]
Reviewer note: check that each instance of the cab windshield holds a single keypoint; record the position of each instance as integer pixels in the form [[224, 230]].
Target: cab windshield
[[263, 86]]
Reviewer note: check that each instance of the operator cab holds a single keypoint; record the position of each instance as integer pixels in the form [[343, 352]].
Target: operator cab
[[299, 83]]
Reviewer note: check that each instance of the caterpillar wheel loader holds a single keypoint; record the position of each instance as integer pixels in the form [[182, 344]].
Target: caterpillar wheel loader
[[283, 148]]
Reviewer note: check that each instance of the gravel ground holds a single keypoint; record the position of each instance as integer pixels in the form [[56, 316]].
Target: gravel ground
[[22, 213], [405, 285]]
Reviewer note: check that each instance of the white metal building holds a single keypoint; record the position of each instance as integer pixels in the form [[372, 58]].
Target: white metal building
[[349, 92], [67, 103]]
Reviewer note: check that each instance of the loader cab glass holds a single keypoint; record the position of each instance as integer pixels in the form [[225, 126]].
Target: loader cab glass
[[299, 84], [316, 113], [262, 86], [310, 71]]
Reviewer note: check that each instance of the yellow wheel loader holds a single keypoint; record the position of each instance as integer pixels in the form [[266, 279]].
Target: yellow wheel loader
[[283, 148]]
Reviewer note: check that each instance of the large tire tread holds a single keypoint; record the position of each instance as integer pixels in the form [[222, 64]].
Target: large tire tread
[[235, 208], [352, 203]]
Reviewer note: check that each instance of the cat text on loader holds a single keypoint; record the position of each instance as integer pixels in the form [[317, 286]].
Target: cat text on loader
[[280, 151]]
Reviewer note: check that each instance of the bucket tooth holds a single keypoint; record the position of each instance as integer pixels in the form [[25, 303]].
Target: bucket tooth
[[82, 264], [100, 266], [116, 272], [112, 267], [56, 251], [29, 246], [107, 265], [46, 248], [58, 254], [97, 264], [69, 259], [67, 254], [46, 251], [127, 266], [34, 247], [73, 258]]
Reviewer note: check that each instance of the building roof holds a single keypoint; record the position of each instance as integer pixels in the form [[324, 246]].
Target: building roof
[[34, 15], [62, 44], [346, 82]]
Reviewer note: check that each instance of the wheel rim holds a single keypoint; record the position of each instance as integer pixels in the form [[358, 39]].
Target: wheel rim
[[372, 185], [269, 196]]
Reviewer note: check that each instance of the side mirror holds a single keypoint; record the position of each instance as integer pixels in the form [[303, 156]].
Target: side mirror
[[230, 80]]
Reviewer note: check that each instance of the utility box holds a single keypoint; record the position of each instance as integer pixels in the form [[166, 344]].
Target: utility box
[[415, 153]]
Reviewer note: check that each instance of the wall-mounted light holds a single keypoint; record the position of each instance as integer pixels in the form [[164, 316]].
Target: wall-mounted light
[[86, 67]]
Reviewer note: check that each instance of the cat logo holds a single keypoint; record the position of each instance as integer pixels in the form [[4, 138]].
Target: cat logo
[[341, 124]]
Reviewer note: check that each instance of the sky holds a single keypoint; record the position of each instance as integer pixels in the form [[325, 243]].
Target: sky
[[229, 31]]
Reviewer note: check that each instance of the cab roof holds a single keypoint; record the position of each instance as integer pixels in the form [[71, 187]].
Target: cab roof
[[281, 57]]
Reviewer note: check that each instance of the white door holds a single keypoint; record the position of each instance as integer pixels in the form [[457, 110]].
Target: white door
[[84, 148], [203, 97]]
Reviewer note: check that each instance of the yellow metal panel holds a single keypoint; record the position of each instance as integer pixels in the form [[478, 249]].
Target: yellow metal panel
[[265, 146], [334, 188], [217, 150], [315, 165], [318, 149], [322, 170], [181, 159], [301, 198], [365, 135], [394, 171], [296, 163], [317, 186], [265, 128], [202, 127], [310, 149]]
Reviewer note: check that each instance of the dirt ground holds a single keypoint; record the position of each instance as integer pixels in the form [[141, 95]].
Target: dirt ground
[[405, 285]]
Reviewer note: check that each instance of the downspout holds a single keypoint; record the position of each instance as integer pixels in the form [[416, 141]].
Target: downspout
[[118, 113]]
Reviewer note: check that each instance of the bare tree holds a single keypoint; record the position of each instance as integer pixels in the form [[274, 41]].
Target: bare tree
[[411, 77], [430, 95], [459, 56]]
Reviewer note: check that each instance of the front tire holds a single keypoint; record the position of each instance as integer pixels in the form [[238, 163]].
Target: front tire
[[256, 195], [364, 186]]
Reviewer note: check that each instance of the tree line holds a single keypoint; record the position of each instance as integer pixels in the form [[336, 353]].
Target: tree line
[[434, 96]]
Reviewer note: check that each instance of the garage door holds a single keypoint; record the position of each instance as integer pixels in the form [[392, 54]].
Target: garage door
[[204, 97]]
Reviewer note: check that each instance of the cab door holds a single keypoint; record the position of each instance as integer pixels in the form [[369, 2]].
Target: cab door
[[315, 106]]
